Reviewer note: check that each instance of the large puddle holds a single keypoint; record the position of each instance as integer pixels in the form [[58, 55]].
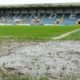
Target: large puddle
[[41, 58]]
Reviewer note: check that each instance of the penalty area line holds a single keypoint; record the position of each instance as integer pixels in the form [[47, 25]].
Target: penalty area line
[[64, 35]]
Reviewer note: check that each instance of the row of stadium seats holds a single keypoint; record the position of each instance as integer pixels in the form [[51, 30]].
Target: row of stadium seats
[[44, 19]]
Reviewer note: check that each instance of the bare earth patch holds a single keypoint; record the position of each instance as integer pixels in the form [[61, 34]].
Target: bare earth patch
[[54, 59]]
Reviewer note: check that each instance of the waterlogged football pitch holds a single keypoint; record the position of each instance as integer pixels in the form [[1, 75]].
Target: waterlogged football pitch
[[38, 33], [58, 57]]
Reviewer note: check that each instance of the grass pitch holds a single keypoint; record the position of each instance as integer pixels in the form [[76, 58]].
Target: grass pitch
[[34, 33], [74, 36]]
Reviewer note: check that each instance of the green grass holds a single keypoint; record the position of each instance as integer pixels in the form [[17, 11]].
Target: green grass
[[33, 33], [5, 75], [74, 36]]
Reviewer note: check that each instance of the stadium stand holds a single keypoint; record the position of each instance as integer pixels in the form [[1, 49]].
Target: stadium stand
[[40, 15]]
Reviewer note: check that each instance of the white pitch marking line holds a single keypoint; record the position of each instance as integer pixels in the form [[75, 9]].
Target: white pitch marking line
[[66, 34]]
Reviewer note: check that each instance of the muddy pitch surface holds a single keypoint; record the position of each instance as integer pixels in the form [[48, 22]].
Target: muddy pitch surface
[[41, 58]]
